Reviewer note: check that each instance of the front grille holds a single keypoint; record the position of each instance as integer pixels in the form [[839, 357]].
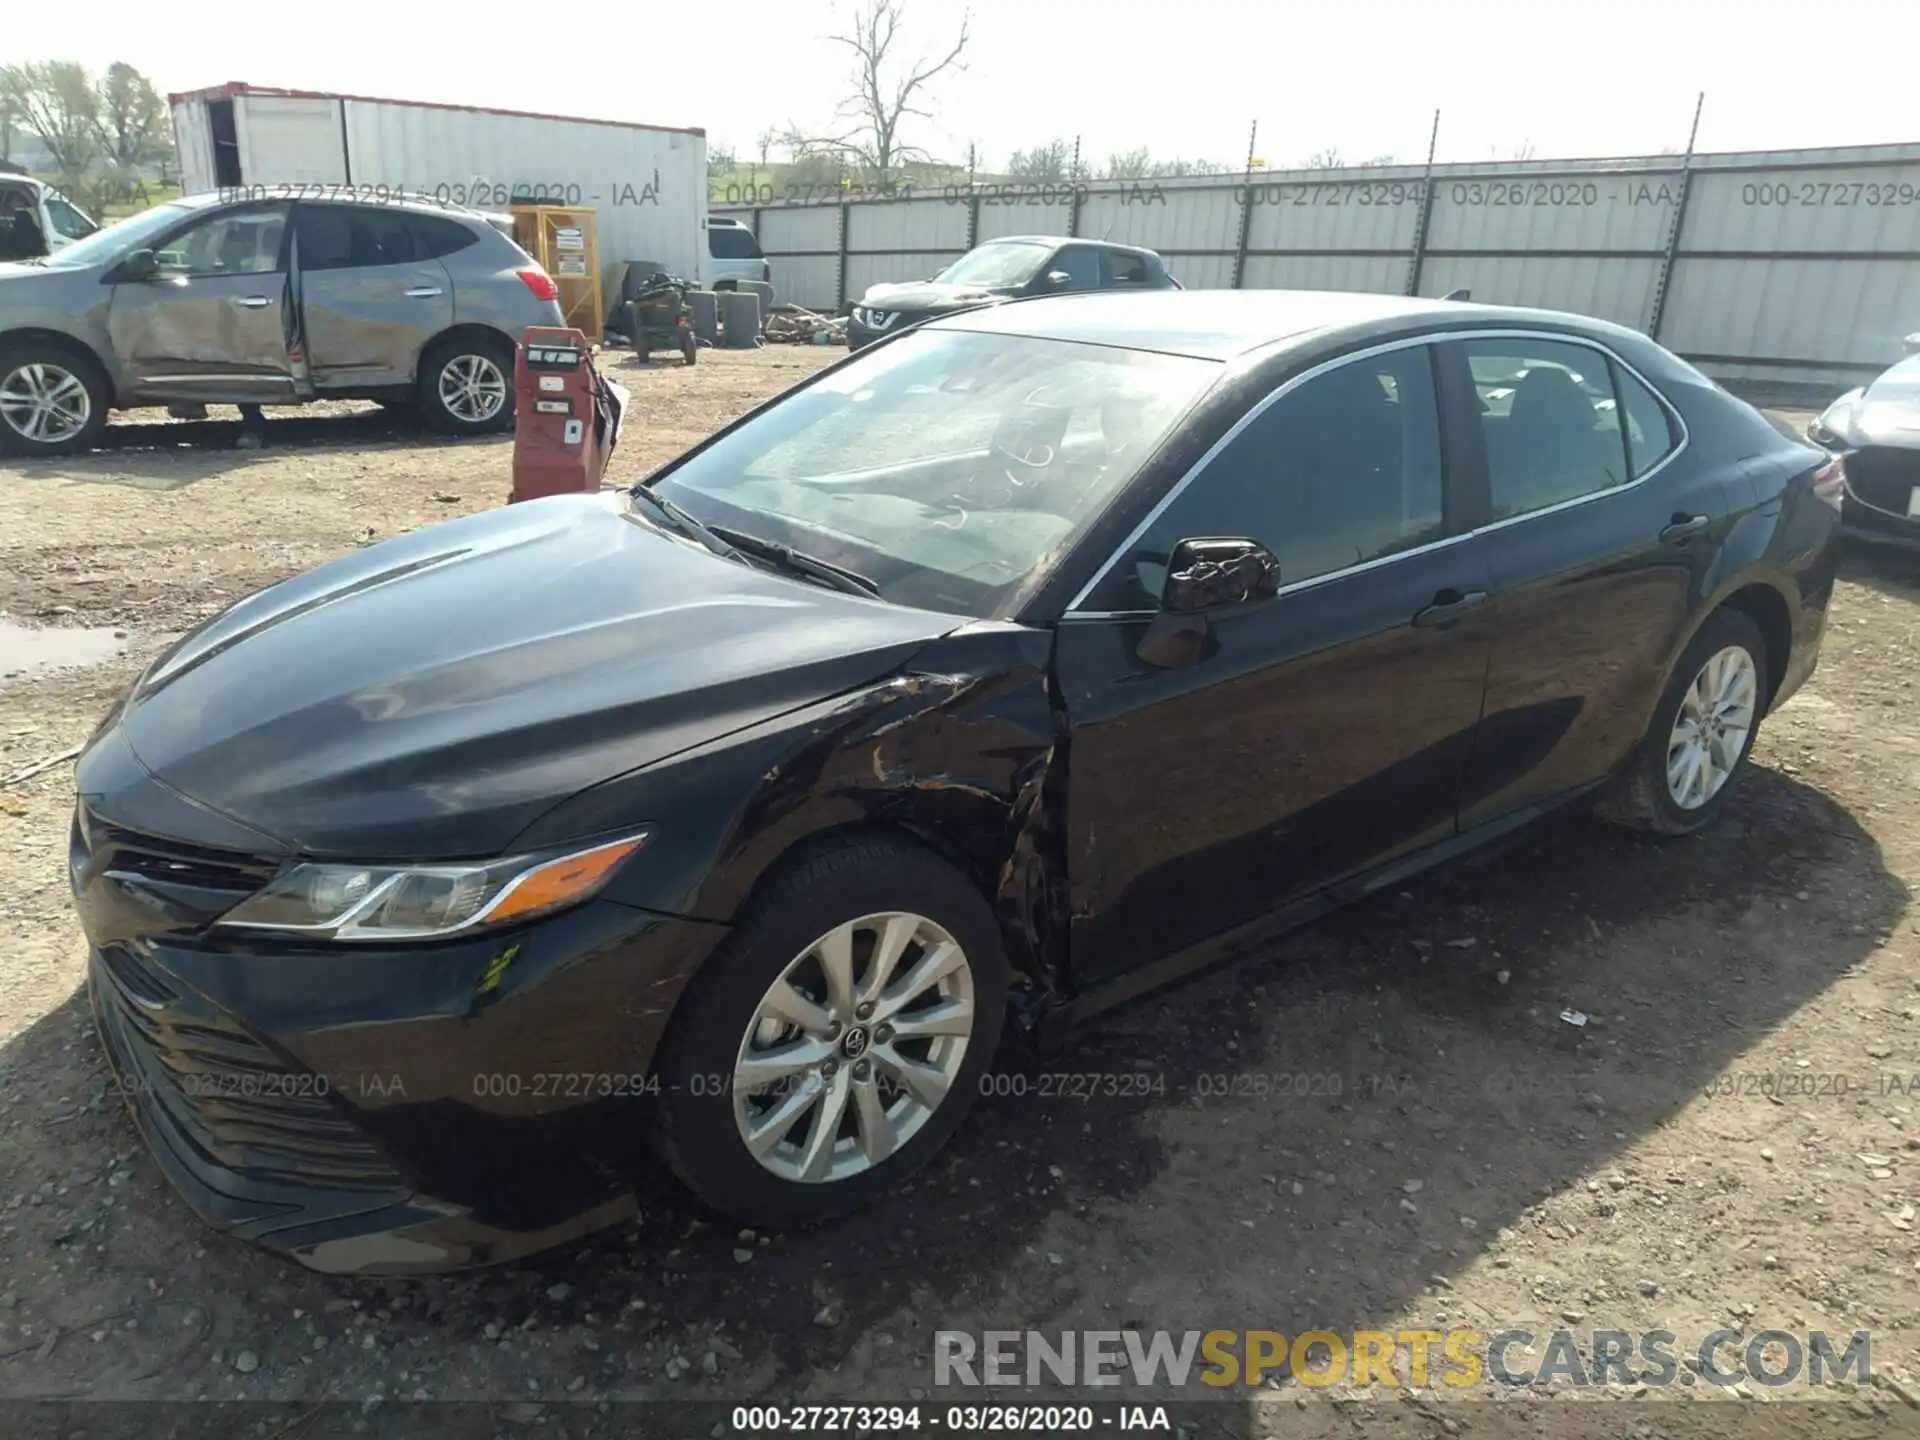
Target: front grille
[[223, 1098], [1883, 477], [105, 847]]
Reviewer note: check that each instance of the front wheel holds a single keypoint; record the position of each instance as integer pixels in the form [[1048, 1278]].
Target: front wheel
[[466, 387], [833, 1047], [1702, 731], [53, 400]]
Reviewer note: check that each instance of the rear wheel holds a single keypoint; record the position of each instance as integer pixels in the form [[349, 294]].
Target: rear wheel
[[689, 347], [53, 399], [836, 1043], [466, 386], [1702, 731]]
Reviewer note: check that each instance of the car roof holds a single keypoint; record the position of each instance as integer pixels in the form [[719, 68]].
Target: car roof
[[1223, 324], [1064, 240]]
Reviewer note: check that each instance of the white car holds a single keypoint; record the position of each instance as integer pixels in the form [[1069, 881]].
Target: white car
[[61, 222], [735, 254]]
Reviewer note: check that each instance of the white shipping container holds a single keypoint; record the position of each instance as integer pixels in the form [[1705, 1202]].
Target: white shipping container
[[647, 184]]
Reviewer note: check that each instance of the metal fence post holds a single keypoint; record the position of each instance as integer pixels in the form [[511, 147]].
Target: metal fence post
[[1246, 208], [1076, 181], [1661, 286], [1424, 219], [973, 217], [840, 283]]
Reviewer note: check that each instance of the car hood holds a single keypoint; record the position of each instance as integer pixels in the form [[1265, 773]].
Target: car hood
[[928, 295], [434, 694], [1887, 412]]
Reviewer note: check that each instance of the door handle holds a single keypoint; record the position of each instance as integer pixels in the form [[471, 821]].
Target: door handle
[[424, 292], [252, 302], [1683, 528], [1448, 606]]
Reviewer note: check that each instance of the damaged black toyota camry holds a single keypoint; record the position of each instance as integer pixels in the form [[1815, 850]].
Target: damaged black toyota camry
[[994, 675]]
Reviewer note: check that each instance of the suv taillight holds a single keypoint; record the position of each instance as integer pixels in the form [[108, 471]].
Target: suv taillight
[[539, 282], [1830, 483]]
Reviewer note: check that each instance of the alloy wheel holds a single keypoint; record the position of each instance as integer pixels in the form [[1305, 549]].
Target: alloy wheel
[[1710, 731], [45, 402], [472, 388], [854, 1047]]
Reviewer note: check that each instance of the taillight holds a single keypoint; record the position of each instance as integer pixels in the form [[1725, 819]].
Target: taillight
[[540, 283], [1830, 483]]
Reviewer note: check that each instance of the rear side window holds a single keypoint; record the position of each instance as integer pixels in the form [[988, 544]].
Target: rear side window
[[381, 237], [1125, 269], [1650, 437], [339, 237], [434, 236], [726, 242], [1551, 425], [1081, 265]]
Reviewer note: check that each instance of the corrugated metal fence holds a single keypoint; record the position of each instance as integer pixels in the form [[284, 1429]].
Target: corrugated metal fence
[[1798, 267]]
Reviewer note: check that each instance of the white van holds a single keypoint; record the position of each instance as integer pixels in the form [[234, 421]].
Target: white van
[[59, 220], [735, 254]]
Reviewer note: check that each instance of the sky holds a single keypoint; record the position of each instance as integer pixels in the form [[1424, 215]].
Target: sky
[[1362, 77]]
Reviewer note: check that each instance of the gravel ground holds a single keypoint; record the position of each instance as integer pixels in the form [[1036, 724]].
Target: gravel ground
[[1485, 1163]]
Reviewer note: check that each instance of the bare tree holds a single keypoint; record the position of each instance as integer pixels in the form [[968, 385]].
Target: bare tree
[[1056, 160], [1328, 159], [1522, 151], [1130, 164], [886, 92], [134, 128], [55, 101]]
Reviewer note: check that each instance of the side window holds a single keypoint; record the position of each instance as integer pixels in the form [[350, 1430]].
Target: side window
[[1551, 424], [67, 221], [1124, 269], [1345, 469], [1081, 265], [434, 237], [236, 242], [380, 236], [325, 233], [1650, 437]]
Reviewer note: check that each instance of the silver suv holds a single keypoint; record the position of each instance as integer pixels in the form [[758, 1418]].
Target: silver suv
[[268, 301]]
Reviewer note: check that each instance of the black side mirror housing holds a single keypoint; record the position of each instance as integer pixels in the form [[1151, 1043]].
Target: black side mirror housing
[[1203, 578], [140, 265], [1207, 574]]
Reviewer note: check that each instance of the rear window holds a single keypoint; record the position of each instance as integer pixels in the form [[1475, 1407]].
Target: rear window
[[436, 236], [728, 242]]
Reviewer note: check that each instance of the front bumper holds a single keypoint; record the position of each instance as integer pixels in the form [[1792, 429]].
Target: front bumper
[[381, 1111], [1880, 482]]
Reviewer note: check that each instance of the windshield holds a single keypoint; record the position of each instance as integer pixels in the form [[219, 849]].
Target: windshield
[[950, 468], [1012, 263], [121, 236]]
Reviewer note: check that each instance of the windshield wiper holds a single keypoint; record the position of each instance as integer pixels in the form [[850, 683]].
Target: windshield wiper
[[680, 520], [837, 576]]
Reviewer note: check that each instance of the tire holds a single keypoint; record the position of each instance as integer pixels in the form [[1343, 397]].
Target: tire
[[1645, 796], [445, 404], [703, 1113], [689, 350], [31, 372]]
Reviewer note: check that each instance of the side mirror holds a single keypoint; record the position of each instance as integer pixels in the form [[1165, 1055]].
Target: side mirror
[[1207, 574], [1204, 576], [140, 265], [1911, 344], [1058, 279]]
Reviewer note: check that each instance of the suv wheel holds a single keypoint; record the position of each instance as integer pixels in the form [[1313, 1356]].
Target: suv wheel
[[833, 1047], [466, 386], [53, 400]]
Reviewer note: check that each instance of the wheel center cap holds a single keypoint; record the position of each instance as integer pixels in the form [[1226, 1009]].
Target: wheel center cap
[[854, 1043]]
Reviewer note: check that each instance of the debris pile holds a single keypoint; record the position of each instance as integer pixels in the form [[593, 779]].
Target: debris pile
[[797, 325]]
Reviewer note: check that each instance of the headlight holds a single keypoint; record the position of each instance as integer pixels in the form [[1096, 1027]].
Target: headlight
[[422, 902], [861, 315]]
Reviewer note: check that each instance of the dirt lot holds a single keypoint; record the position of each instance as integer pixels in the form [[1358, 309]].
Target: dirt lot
[[1484, 1164]]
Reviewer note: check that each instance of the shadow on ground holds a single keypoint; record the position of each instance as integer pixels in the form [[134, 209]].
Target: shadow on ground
[[1418, 1036]]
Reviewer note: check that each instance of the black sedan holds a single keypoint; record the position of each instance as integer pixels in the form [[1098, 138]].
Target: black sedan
[[996, 674], [1011, 268], [1876, 432]]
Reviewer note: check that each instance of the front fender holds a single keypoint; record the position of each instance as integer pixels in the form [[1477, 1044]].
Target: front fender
[[956, 749]]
